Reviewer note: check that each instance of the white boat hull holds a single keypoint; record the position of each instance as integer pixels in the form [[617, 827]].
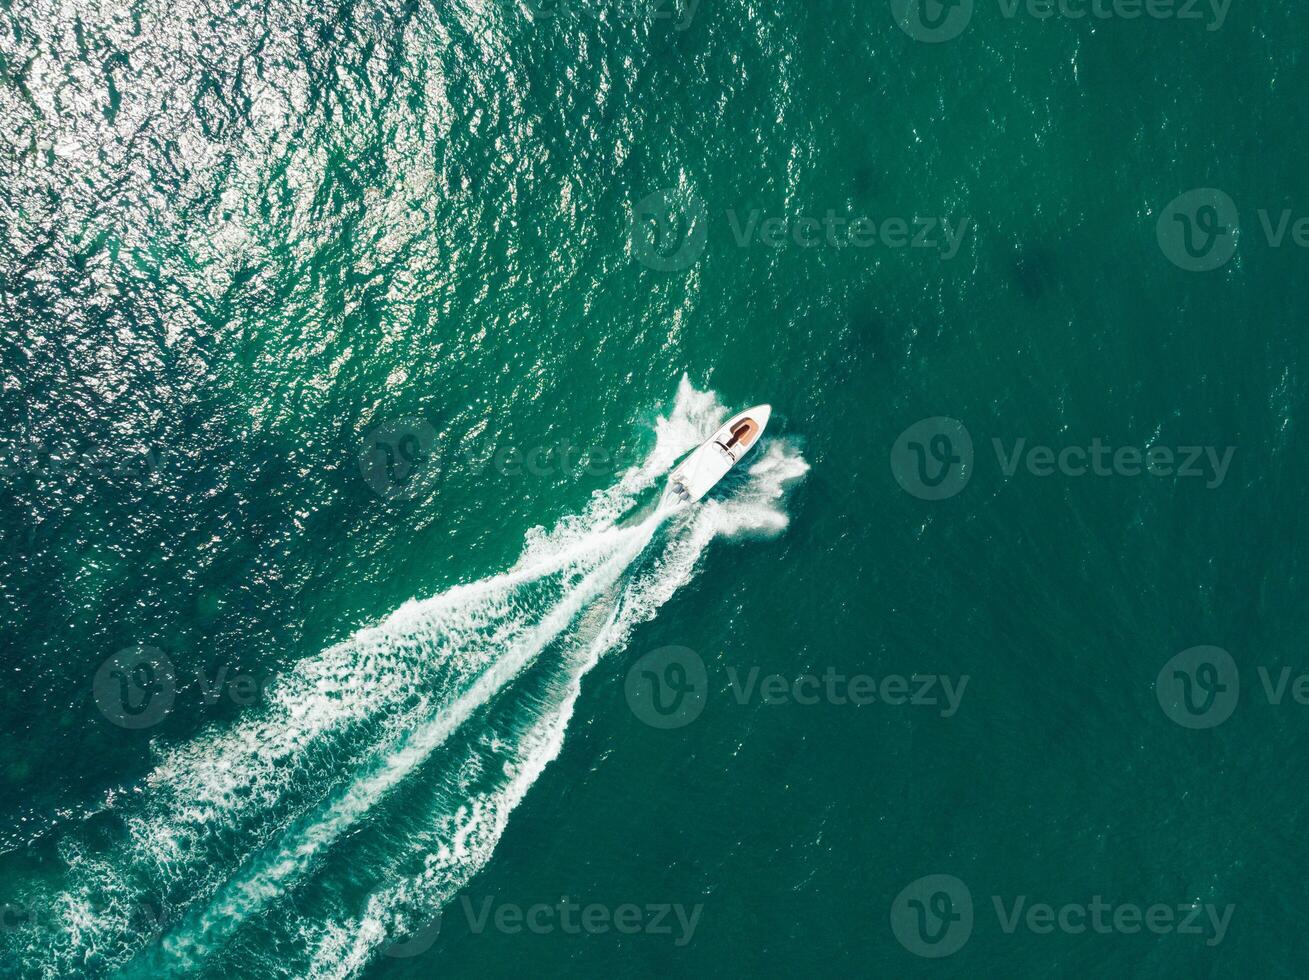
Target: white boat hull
[[698, 473]]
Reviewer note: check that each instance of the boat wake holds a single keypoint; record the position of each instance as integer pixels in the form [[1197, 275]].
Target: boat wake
[[379, 775]]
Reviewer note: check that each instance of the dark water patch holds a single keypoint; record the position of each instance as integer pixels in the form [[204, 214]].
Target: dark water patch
[[1034, 270]]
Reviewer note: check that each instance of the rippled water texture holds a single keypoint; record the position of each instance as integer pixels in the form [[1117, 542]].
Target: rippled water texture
[[308, 316]]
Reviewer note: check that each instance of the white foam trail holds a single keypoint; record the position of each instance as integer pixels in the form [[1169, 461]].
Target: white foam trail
[[248, 895], [243, 817], [229, 792], [460, 844]]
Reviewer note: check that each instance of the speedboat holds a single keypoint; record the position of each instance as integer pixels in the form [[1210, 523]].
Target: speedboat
[[696, 475]]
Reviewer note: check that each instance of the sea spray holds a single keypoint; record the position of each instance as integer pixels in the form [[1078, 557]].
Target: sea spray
[[272, 873], [459, 843], [456, 703]]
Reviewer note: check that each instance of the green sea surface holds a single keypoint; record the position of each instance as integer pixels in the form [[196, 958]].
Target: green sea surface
[[346, 348]]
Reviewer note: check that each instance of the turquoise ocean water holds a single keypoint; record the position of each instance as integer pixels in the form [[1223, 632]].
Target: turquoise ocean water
[[346, 347]]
